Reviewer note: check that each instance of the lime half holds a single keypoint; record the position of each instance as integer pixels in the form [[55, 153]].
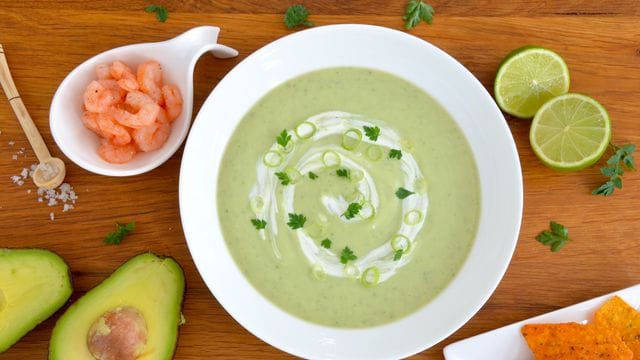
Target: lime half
[[570, 132], [529, 77]]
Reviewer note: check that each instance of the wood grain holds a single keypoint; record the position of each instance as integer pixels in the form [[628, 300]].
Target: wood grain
[[600, 40]]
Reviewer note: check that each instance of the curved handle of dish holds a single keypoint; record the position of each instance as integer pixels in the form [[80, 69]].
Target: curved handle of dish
[[195, 42]]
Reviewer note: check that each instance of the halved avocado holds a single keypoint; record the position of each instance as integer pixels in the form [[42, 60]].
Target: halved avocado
[[134, 313], [34, 283]]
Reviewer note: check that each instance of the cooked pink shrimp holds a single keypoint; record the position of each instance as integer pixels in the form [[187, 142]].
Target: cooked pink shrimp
[[102, 70], [151, 137], [90, 121], [98, 98], [113, 131], [124, 75], [150, 80], [162, 117], [172, 101], [146, 111], [116, 154], [112, 85]]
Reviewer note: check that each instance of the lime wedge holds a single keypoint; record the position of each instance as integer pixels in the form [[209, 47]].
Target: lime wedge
[[529, 77], [570, 132]]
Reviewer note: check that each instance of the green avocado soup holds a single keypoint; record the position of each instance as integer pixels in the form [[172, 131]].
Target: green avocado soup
[[362, 211]]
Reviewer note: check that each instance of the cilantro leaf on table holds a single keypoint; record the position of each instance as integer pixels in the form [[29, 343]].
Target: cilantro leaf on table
[[162, 14], [416, 11], [116, 237], [296, 15], [622, 158], [556, 238]]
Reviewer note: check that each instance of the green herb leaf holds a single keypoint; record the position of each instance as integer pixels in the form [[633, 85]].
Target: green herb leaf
[[161, 12], [622, 157], [283, 139], [296, 221], [415, 11], [556, 238], [296, 15], [395, 154], [402, 193], [347, 255], [397, 255], [326, 243], [352, 210], [259, 223], [116, 237], [312, 175], [283, 177], [345, 173], [372, 132]]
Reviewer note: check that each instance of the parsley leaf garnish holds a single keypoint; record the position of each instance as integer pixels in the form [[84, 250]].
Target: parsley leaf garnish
[[296, 15], [556, 238], [347, 255], [259, 223], [622, 157], [161, 12], [402, 193], [283, 139], [345, 173], [417, 10], [397, 255], [312, 175], [326, 243], [283, 177], [352, 210], [372, 132], [296, 221], [395, 154], [116, 237]]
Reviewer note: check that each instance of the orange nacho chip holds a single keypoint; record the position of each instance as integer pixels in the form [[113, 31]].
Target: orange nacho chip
[[574, 341], [621, 317]]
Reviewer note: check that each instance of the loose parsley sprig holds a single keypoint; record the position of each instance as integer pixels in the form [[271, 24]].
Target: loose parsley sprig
[[259, 223], [162, 14], [283, 139], [296, 221], [352, 210], [345, 173], [296, 15], [622, 158], [398, 254], [116, 237], [402, 193], [326, 243], [395, 154], [415, 11], [347, 255], [556, 238], [372, 132], [312, 175]]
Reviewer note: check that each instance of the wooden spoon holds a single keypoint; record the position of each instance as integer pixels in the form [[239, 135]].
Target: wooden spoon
[[51, 171]]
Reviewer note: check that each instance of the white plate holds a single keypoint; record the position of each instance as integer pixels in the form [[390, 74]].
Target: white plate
[[507, 342], [429, 68]]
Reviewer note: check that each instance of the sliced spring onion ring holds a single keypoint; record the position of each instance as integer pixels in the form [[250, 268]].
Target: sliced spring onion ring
[[374, 152], [356, 175], [367, 211], [272, 159], [331, 159], [413, 217], [351, 271], [257, 204], [294, 174], [318, 272], [370, 277], [305, 130], [401, 242], [351, 139], [354, 196]]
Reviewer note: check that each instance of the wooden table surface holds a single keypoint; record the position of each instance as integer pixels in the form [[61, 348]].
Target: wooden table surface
[[600, 41]]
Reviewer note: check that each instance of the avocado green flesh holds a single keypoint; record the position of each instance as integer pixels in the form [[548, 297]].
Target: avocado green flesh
[[34, 283], [152, 285]]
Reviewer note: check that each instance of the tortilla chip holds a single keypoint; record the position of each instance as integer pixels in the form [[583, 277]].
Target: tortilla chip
[[574, 341], [621, 317]]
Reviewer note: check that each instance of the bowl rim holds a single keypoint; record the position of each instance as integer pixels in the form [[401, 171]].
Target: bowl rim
[[197, 244]]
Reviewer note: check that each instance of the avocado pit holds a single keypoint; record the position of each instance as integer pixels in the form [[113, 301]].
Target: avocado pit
[[119, 334]]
